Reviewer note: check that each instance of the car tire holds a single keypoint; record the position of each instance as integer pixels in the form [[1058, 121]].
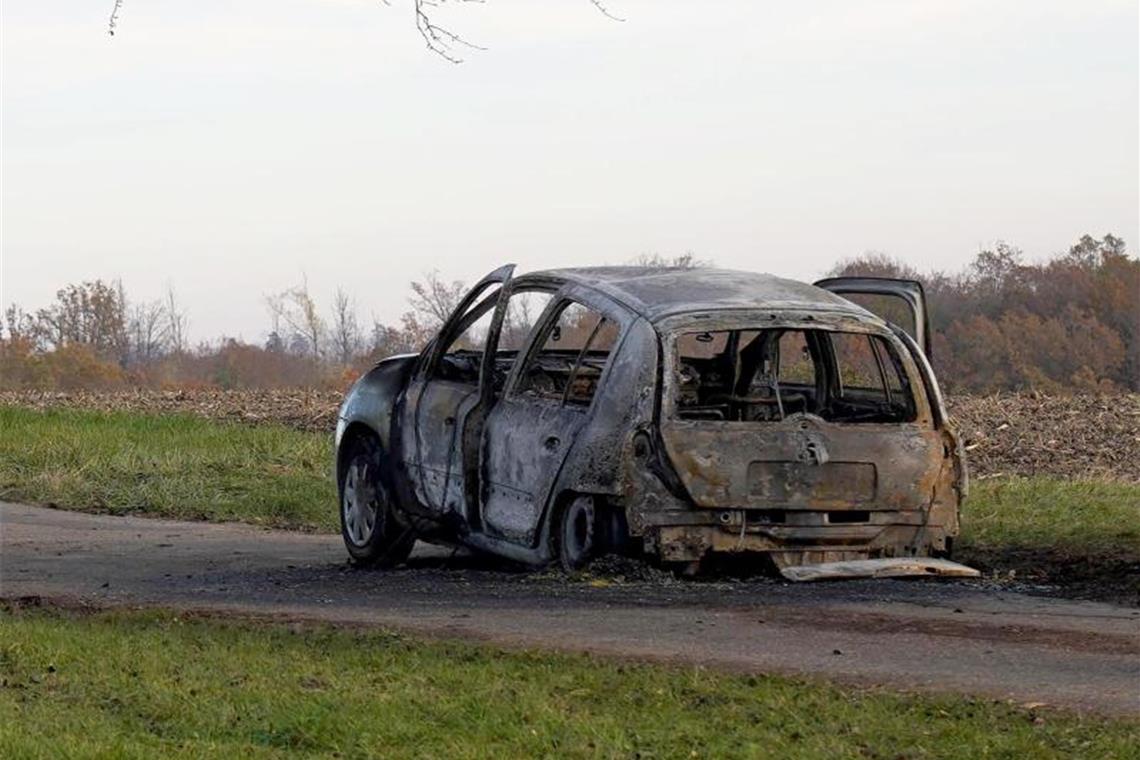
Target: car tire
[[577, 534], [372, 535]]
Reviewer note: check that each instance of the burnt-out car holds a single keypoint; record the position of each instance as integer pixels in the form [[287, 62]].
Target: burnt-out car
[[677, 412]]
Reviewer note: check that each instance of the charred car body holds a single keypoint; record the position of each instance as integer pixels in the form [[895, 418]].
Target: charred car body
[[561, 414]]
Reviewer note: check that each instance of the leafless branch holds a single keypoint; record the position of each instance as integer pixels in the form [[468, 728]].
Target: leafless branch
[[175, 321], [440, 40], [114, 20], [604, 10]]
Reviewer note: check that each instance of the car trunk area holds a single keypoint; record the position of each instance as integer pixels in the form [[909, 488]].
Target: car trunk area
[[797, 416]]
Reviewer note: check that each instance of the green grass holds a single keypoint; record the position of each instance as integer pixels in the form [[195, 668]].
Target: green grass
[[1073, 516], [188, 467], [1082, 535], [134, 684], [170, 466]]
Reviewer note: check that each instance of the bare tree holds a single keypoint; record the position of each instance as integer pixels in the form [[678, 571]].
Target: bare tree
[[433, 300], [176, 322], [148, 331], [686, 260], [345, 328], [21, 325], [296, 309]]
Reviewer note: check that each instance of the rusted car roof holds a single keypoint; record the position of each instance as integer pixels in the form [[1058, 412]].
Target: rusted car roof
[[656, 293]]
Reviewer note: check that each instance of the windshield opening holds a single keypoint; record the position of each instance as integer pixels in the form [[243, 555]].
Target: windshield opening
[[751, 375]]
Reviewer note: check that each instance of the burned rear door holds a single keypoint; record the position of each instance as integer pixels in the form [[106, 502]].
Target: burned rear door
[[533, 427], [801, 415]]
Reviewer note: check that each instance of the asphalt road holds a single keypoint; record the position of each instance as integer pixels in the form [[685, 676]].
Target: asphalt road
[[922, 635]]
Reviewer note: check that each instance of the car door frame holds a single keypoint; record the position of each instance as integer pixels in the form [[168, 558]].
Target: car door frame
[[473, 439], [910, 292], [919, 347], [610, 311], [408, 417]]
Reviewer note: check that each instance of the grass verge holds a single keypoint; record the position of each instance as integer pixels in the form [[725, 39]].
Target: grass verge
[[1084, 535], [1081, 534], [175, 466], [152, 684]]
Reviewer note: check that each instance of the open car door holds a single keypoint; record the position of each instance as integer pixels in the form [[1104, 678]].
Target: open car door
[[445, 402], [903, 304], [885, 297]]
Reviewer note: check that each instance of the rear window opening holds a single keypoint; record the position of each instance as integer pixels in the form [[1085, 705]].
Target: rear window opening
[[767, 375]]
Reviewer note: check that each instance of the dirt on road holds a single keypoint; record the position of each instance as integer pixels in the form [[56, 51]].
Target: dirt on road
[[914, 635]]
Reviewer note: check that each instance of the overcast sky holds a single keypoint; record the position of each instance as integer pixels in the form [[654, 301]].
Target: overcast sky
[[228, 148]]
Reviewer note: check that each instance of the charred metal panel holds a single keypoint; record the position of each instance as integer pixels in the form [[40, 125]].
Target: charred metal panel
[[762, 465], [802, 461], [525, 442], [372, 398], [796, 482], [656, 293], [879, 568], [439, 420], [536, 448], [624, 404]]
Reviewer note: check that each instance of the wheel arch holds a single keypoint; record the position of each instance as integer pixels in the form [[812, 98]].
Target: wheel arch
[[355, 432], [611, 516]]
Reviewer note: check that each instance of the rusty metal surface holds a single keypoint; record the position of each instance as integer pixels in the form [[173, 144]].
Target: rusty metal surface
[[879, 568], [656, 293]]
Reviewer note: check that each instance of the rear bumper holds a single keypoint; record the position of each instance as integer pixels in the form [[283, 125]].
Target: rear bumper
[[801, 537]]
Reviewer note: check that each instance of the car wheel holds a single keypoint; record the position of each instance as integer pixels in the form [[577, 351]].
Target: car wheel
[[576, 534], [370, 532]]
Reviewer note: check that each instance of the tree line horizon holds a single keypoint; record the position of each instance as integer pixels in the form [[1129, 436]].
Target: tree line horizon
[[1067, 324]]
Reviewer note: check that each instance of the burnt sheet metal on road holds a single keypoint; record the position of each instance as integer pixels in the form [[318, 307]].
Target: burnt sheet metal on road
[[926, 636], [900, 567]]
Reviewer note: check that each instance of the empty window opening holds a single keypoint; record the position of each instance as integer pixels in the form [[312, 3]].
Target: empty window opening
[[574, 353], [767, 375], [463, 357]]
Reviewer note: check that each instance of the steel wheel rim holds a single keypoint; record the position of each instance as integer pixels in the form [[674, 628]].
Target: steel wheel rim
[[578, 531], [360, 503]]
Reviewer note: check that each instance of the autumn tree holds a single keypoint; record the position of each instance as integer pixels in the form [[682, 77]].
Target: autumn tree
[[295, 310], [91, 314], [1067, 324]]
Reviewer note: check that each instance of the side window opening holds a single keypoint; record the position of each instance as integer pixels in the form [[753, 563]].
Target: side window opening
[[871, 377], [523, 310], [796, 365], [524, 307], [463, 357], [574, 353], [766, 375]]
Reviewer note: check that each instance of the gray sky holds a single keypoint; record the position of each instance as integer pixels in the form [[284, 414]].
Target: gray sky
[[227, 148]]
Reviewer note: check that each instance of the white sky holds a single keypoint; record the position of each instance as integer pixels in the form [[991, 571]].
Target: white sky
[[229, 147]]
